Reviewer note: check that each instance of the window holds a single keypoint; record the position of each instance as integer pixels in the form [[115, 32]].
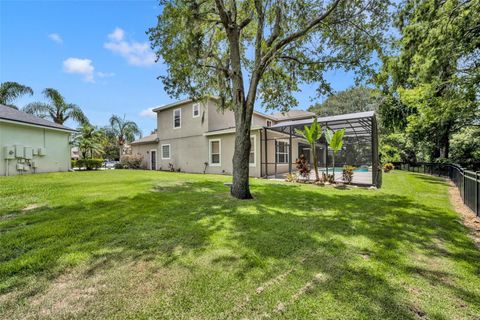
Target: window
[[177, 118], [215, 152], [282, 152], [252, 152], [269, 123], [165, 151], [196, 110]]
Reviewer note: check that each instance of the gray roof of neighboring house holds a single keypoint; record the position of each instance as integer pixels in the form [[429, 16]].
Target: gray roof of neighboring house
[[148, 139], [292, 115], [11, 114]]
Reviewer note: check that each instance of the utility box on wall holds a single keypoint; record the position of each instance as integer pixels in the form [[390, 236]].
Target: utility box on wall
[[18, 151], [28, 153], [42, 151], [9, 152]]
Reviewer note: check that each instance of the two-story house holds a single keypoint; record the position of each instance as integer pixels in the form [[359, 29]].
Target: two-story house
[[198, 137]]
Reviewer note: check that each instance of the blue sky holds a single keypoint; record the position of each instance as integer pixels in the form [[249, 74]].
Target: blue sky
[[96, 53]]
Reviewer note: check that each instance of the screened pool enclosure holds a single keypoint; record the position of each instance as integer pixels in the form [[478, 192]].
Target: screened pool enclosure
[[281, 146]]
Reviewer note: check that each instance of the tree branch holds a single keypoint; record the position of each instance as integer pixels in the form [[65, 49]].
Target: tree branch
[[294, 36]]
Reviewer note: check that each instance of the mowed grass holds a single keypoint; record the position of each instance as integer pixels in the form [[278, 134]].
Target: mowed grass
[[142, 244]]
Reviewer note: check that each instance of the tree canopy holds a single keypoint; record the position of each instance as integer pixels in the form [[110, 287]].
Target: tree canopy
[[433, 79], [354, 99]]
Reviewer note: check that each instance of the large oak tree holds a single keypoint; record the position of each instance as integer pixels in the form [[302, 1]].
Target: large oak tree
[[244, 51]]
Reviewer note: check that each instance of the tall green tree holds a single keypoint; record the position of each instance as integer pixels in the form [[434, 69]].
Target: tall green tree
[[354, 99], [10, 91], [312, 134], [335, 142], [123, 130], [434, 78], [57, 110], [244, 50]]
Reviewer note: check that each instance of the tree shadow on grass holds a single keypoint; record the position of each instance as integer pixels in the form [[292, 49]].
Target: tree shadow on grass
[[284, 223]]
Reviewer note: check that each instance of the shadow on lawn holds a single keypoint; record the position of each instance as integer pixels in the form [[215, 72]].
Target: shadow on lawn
[[284, 222]]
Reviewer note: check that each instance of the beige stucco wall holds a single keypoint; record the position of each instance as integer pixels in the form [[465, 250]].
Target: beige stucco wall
[[56, 142], [144, 151]]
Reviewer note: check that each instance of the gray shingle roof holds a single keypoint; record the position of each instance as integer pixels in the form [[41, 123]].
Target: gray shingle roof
[[293, 115], [148, 139], [11, 114]]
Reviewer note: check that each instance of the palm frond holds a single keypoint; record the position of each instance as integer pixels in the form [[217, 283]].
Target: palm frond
[[9, 91], [38, 109], [74, 112], [55, 96]]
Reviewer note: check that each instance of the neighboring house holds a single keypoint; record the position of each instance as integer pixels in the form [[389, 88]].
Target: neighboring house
[[197, 137], [29, 144]]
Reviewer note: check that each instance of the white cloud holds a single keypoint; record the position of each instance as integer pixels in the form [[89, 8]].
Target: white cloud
[[117, 35], [80, 66], [148, 113], [55, 37], [136, 53], [105, 74]]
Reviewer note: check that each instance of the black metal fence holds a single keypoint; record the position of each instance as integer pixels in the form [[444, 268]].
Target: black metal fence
[[468, 182]]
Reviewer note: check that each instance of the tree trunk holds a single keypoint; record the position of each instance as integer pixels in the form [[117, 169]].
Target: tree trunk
[[241, 187], [333, 164], [315, 161]]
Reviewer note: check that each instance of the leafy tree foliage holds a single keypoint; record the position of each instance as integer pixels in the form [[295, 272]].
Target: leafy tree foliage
[[89, 140], [433, 82], [58, 110], [10, 91], [466, 147], [355, 99], [248, 50], [123, 131]]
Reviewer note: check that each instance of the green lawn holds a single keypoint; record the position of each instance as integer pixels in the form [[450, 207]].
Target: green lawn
[[140, 244]]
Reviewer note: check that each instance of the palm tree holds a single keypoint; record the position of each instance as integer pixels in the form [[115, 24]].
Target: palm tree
[[335, 142], [57, 110], [10, 91], [123, 130], [89, 141], [312, 134]]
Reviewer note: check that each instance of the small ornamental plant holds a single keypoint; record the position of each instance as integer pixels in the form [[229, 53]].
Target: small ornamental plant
[[387, 167], [303, 167], [348, 173]]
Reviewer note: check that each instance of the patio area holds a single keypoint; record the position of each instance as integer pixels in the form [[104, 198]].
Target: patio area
[[360, 148]]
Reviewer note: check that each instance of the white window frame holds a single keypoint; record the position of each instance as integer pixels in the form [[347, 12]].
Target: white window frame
[[169, 151], [254, 163], [193, 110], [284, 153], [269, 121], [219, 164], [180, 115], [156, 158]]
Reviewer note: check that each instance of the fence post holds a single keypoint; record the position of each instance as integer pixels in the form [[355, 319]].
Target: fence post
[[463, 187], [477, 177]]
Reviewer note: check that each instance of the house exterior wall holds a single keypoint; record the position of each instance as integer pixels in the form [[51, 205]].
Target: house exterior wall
[[55, 142], [190, 144], [144, 150]]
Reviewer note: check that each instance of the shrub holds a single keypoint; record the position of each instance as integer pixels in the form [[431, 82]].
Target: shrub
[[387, 167], [291, 177], [89, 164], [131, 161], [303, 167], [73, 163], [327, 178], [348, 173]]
